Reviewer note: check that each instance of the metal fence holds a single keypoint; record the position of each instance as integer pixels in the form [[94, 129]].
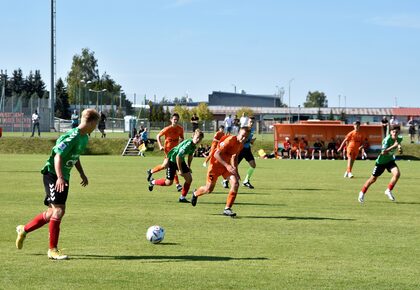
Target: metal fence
[[16, 114]]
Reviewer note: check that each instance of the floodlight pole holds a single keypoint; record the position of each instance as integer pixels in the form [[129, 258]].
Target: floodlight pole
[[53, 42]]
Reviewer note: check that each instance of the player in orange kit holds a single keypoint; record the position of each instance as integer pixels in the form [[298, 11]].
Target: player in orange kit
[[353, 141], [174, 134], [216, 139], [224, 163]]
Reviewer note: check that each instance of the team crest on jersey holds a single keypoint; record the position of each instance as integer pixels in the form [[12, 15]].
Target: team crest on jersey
[[62, 146], [222, 144]]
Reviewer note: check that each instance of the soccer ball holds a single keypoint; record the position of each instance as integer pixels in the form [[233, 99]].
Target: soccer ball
[[155, 234]]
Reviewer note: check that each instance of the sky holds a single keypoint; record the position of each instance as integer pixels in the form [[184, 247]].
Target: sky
[[360, 53]]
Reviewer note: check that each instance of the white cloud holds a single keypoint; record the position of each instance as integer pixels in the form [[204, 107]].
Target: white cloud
[[402, 21]]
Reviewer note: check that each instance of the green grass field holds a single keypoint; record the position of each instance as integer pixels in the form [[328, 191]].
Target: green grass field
[[300, 228]]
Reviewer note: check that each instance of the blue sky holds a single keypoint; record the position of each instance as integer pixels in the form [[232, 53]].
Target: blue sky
[[366, 51]]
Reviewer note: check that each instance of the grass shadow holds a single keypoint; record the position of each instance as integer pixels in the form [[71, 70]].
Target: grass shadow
[[245, 203], [292, 218], [308, 189], [165, 258]]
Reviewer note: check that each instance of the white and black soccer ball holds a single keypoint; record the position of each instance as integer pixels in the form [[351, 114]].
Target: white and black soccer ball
[[155, 234]]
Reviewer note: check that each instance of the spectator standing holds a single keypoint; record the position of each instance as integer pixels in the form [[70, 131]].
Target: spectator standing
[[393, 122], [194, 122], [385, 124], [101, 125], [35, 123], [411, 129], [74, 119], [236, 125], [228, 124], [244, 120]]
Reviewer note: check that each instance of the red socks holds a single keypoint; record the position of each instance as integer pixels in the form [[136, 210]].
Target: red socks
[[36, 223], [54, 227], [391, 186], [160, 182], [185, 189], [364, 189]]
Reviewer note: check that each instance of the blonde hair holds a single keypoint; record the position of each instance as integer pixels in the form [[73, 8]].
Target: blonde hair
[[199, 133], [90, 115]]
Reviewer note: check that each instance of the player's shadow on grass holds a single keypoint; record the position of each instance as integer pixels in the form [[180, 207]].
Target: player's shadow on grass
[[307, 189], [165, 258], [245, 203], [292, 218]]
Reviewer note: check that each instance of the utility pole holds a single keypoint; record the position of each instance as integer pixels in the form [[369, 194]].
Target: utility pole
[[53, 59]]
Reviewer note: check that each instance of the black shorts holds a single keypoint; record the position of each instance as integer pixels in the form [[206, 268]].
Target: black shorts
[[380, 168], [247, 154], [51, 196], [172, 168]]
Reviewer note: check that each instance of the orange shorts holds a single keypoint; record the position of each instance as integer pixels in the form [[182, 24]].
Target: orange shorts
[[352, 153], [215, 171]]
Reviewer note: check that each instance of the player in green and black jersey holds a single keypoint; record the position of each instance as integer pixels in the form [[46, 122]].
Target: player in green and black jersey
[[176, 162], [386, 160], [56, 175]]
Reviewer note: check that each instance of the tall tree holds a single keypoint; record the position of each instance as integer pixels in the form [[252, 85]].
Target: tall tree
[[184, 113], [62, 106], [248, 112], [29, 85], [39, 85], [316, 100], [84, 67], [203, 112], [17, 83]]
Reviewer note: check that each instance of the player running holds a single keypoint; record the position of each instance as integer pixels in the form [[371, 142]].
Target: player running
[[385, 160], [353, 142], [56, 175], [176, 162], [216, 139], [174, 134], [224, 163], [247, 154]]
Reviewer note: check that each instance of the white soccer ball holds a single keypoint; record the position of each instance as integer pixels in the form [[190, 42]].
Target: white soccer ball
[[155, 234]]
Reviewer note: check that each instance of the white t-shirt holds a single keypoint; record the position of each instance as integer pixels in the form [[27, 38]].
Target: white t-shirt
[[35, 118], [228, 121], [244, 121]]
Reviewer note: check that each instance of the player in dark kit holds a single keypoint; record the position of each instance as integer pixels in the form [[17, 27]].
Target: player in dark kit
[[176, 163], [56, 175], [386, 160]]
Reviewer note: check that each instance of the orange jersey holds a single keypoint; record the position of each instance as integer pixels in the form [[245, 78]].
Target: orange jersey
[[217, 137], [172, 136], [228, 146], [354, 140]]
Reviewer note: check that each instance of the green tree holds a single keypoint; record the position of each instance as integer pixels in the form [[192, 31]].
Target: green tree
[[62, 106], [316, 100], [203, 112], [331, 116], [248, 112], [167, 114], [184, 113], [39, 85], [17, 83], [84, 67]]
